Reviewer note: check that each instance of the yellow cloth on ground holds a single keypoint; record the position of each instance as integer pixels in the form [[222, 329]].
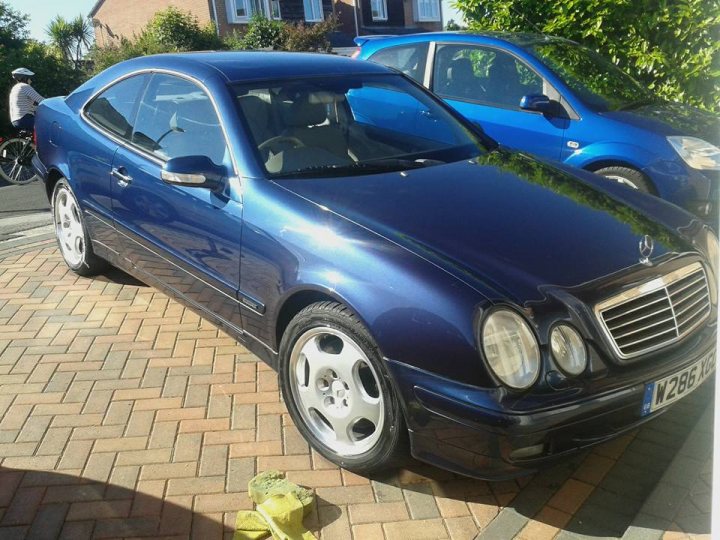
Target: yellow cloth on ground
[[281, 506]]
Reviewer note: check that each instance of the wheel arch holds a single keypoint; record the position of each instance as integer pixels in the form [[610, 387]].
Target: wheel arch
[[53, 177], [298, 300], [595, 166]]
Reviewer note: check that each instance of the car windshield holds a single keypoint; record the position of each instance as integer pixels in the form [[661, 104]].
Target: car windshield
[[598, 82], [350, 125]]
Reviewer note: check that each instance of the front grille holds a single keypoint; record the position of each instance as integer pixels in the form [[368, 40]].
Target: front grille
[[656, 313]]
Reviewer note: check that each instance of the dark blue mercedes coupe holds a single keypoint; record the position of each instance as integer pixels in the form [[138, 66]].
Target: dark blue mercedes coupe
[[413, 283]]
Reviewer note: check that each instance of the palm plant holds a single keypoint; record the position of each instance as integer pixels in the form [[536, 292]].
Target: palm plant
[[70, 37]]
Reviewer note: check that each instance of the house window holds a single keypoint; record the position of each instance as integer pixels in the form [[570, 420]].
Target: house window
[[313, 10], [428, 10], [275, 9], [243, 10], [378, 8]]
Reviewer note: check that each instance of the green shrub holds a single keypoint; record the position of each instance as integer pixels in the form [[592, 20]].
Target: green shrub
[[671, 46], [264, 33], [170, 30], [181, 31], [311, 38]]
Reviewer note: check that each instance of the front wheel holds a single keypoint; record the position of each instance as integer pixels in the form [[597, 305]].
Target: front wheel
[[71, 233], [333, 381], [627, 176], [16, 161]]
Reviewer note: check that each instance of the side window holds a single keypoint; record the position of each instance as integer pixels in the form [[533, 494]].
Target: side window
[[410, 59], [115, 108], [176, 118], [483, 74]]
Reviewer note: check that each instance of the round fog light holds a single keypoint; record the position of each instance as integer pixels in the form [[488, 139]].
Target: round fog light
[[568, 349]]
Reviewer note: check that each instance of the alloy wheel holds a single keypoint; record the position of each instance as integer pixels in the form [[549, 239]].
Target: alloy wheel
[[336, 391], [68, 227]]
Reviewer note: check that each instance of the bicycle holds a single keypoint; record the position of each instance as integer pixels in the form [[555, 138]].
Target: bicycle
[[16, 155]]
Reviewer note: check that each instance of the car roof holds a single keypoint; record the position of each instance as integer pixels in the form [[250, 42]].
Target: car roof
[[254, 65], [520, 39]]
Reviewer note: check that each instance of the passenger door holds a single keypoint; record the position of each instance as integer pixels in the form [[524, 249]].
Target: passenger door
[[112, 113], [486, 85], [187, 237]]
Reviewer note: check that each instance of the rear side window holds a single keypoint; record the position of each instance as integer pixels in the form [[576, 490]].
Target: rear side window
[[410, 59], [114, 109], [176, 118]]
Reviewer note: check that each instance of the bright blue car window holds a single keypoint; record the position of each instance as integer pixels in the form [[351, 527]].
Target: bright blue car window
[[595, 80], [483, 74], [174, 115], [115, 107], [338, 126], [410, 59]]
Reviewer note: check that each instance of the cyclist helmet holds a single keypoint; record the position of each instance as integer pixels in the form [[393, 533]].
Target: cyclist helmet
[[22, 74]]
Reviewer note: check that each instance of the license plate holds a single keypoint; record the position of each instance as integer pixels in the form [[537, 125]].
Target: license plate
[[662, 393]]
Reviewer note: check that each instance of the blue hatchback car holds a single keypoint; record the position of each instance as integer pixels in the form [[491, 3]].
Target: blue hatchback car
[[559, 100], [410, 281]]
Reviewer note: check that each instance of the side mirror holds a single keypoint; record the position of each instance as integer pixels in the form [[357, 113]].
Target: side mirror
[[192, 171], [537, 103]]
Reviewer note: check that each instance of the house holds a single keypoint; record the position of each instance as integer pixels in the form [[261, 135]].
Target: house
[[114, 19]]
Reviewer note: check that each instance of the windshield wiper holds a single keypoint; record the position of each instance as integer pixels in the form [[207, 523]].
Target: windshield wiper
[[373, 166]]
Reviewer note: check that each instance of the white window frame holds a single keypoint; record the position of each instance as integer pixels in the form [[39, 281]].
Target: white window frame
[[430, 11], [378, 10], [313, 10], [250, 6]]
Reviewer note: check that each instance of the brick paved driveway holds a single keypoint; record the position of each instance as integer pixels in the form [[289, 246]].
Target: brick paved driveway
[[122, 414]]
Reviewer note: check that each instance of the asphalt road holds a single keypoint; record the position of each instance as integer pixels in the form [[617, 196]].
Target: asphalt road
[[24, 213]]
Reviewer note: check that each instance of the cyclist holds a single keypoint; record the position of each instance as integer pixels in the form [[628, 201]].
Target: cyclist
[[24, 100]]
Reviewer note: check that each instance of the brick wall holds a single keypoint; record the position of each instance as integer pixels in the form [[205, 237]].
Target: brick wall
[[116, 18]]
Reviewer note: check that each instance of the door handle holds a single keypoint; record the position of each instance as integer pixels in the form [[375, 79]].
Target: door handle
[[122, 178]]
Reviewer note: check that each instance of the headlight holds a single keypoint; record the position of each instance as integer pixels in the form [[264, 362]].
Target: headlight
[[697, 153], [568, 349], [511, 349]]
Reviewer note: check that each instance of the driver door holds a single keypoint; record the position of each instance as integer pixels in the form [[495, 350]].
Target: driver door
[[485, 85], [187, 237]]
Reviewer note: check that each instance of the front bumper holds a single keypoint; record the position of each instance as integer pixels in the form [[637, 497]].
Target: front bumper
[[464, 429]]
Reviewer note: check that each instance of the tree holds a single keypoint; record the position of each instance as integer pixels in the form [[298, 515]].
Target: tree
[[13, 26], [71, 37], [671, 46]]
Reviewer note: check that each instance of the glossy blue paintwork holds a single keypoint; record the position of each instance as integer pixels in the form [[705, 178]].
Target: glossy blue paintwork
[[419, 256], [634, 138]]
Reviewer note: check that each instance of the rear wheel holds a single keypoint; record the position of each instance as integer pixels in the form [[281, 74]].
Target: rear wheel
[[15, 161], [335, 389], [627, 176], [72, 236]]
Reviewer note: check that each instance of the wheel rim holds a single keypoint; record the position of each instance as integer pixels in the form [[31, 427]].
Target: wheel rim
[[622, 180], [336, 391], [14, 162], [68, 228]]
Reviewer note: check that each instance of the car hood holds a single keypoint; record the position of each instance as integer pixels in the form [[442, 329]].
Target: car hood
[[503, 221], [672, 119]]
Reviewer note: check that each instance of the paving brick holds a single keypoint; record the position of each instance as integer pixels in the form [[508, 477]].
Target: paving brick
[[416, 529], [377, 512], [570, 496], [421, 502]]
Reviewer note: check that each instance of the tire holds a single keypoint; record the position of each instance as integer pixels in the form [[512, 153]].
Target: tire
[[345, 407], [15, 166], [629, 177], [71, 233]]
